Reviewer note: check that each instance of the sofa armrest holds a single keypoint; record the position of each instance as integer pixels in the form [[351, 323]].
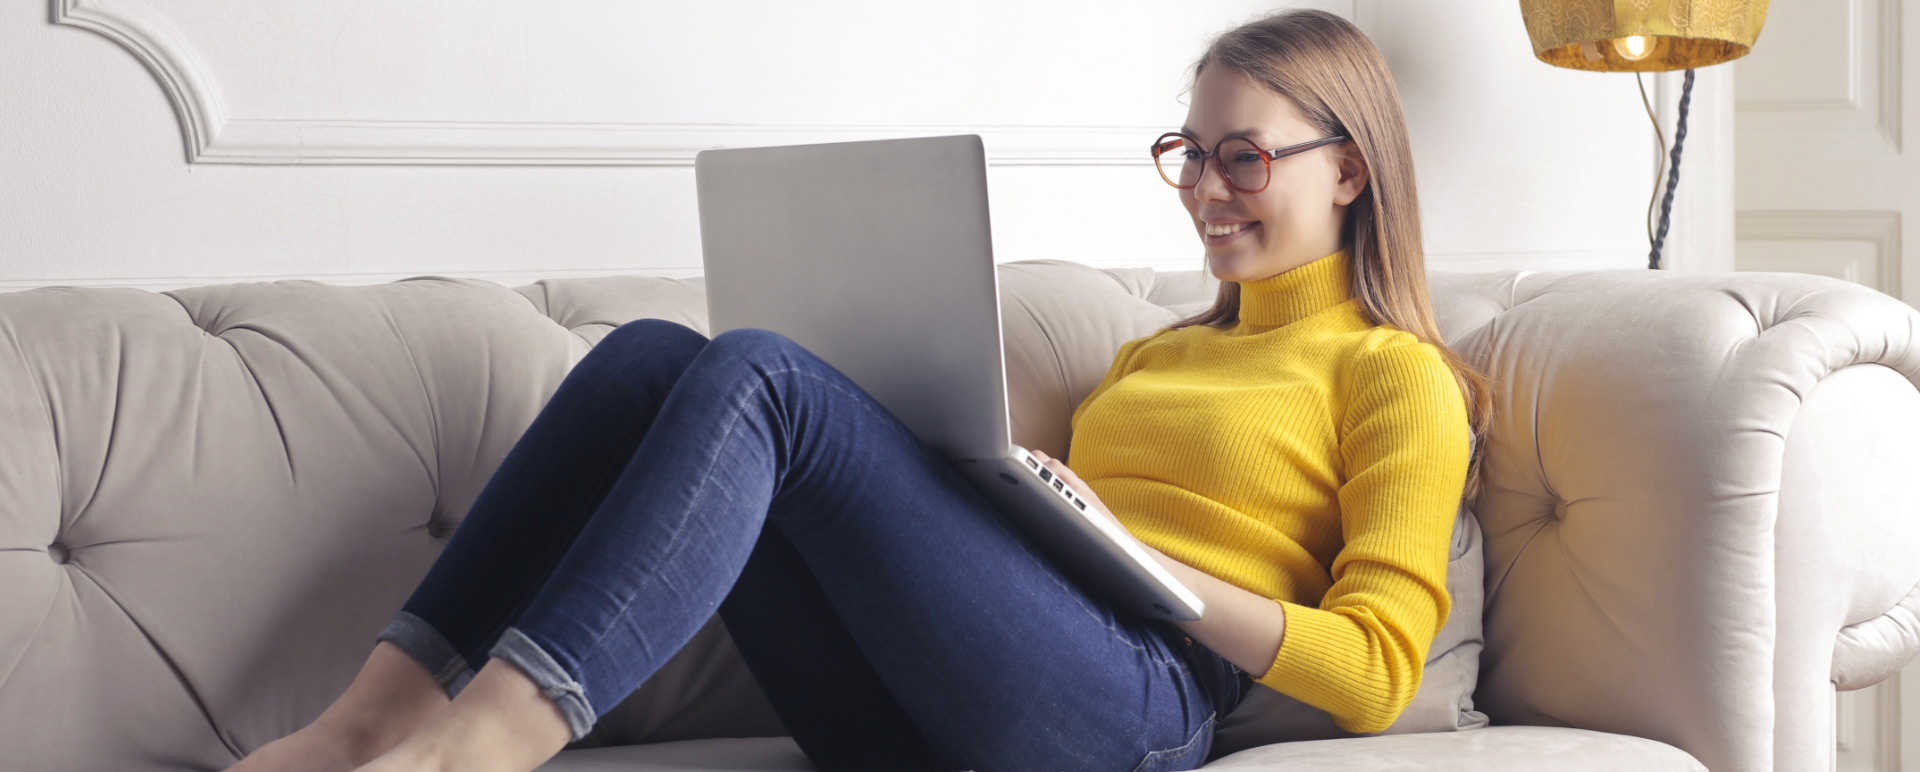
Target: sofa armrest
[[1692, 488]]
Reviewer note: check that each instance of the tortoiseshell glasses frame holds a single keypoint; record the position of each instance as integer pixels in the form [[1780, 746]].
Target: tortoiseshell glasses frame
[[1173, 141]]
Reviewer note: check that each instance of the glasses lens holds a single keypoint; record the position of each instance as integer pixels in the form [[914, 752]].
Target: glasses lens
[[1177, 160], [1244, 164]]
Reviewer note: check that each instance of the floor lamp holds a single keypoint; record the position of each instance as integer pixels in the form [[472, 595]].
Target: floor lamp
[[1645, 36]]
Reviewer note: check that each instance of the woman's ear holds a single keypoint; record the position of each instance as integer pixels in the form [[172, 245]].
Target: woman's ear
[[1352, 173]]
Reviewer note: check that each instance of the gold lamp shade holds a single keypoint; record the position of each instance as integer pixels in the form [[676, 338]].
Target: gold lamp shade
[[1642, 35]]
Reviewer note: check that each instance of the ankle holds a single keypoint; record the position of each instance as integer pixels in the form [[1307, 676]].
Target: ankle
[[391, 698], [501, 722]]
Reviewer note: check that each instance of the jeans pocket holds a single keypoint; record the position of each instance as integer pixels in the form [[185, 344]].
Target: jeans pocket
[[1187, 756]]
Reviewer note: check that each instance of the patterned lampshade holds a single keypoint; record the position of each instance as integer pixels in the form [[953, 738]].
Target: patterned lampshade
[[1642, 35]]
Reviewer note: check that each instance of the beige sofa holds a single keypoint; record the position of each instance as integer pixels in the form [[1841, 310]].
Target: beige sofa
[[1699, 518]]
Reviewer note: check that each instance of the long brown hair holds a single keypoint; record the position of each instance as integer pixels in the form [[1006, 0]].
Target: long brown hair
[[1334, 74]]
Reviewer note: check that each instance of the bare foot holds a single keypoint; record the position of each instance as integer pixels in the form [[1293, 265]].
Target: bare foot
[[433, 749], [457, 741], [317, 748], [391, 698], [500, 723]]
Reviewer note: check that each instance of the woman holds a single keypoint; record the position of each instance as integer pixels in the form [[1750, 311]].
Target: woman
[[1295, 455]]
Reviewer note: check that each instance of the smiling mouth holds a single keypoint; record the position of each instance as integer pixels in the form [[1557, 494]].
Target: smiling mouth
[[1222, 230], [1222, 235]]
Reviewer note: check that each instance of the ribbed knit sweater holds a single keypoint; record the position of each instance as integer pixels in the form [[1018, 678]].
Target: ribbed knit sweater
[[1304, 455]]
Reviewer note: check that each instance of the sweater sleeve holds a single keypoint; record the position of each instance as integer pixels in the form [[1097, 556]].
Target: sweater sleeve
[[1404, 446]]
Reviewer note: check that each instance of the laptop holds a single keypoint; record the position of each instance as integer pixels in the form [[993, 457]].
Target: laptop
[[877, 257]]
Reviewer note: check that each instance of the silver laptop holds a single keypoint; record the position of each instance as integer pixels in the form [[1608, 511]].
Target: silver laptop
[[876, 256]]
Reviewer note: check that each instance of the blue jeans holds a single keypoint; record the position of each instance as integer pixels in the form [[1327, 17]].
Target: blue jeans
[[893, 619]]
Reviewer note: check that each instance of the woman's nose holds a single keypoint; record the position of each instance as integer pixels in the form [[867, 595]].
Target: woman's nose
[[1212, 185]]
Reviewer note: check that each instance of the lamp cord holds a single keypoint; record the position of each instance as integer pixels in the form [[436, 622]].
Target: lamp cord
[[1673, 173], [1660, 136]]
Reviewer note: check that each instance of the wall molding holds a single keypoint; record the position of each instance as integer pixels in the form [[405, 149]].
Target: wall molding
[[159, 45], [1874, 46], [1454, 263], [1881, 228], [1880, 705], [1855, 60], [1889, 57], [263, 141], [213, 136], [503, 278]]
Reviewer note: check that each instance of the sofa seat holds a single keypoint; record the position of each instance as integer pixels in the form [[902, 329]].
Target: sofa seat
[[1493, 749]]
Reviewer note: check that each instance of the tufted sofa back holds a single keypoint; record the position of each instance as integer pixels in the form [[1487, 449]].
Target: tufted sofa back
[[212, 498]]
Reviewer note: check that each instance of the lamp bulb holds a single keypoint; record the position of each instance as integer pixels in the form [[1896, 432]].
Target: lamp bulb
[[1632, 47]]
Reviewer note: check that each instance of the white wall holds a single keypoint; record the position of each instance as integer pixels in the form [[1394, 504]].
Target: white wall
[[165, 143]]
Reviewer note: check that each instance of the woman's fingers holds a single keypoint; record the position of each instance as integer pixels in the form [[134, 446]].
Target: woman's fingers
[[1058, 468], [1066, 473], [1073, 480]]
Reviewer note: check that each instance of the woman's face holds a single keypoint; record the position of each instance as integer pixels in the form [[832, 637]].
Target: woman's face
[[1296, 219]]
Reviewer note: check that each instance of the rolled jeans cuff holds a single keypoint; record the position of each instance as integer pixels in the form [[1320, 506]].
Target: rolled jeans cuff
[[566, 693], [431, 649]]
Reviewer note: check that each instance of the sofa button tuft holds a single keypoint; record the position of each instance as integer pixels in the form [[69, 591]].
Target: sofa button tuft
[[58, 552]]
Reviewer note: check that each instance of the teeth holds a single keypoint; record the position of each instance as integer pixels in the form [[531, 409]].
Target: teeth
[[1222, 230]]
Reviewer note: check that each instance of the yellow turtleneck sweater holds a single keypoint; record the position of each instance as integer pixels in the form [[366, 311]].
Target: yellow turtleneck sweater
[[1304, 455]]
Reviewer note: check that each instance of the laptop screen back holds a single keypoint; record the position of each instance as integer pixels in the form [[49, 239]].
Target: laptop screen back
[[877, 257]]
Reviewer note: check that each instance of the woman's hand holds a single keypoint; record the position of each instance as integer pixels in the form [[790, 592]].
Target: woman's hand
[[1073, 480], [1245, 628]]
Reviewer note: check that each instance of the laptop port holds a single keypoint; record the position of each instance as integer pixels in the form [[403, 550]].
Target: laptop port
[[1056, 484], [1032, 463], [1046, 474], [1081, 503]]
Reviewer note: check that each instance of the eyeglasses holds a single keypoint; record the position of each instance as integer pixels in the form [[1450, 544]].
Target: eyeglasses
[[1246, 166]]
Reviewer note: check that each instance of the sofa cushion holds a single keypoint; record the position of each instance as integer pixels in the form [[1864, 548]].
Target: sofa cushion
[[211, 498], [1061, 323]]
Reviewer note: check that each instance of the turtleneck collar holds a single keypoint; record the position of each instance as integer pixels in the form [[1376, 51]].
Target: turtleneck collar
[[1297, 292]]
